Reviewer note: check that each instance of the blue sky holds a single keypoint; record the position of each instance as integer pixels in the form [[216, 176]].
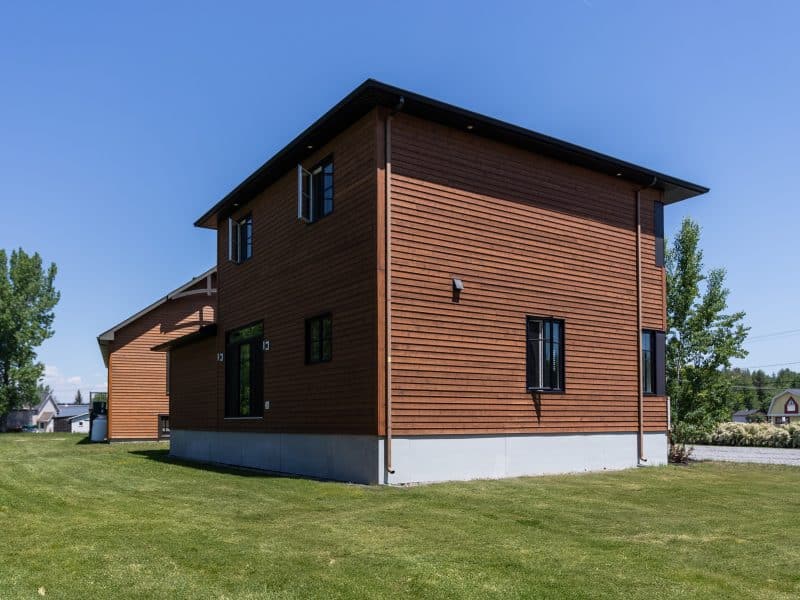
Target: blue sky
[[121, 125]]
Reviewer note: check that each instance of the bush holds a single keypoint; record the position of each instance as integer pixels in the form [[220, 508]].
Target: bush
[[763, 435], [679, 453]]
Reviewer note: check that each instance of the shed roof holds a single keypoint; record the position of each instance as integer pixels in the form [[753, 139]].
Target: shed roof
[[372, 93]]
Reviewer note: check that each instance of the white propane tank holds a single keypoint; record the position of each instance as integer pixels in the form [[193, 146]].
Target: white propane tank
[[99, 428]]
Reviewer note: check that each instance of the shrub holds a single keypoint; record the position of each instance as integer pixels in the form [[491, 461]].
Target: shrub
[[741, 434], [679, 453]]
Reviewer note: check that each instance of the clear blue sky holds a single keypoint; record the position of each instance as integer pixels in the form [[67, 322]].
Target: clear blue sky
[[120, 126]]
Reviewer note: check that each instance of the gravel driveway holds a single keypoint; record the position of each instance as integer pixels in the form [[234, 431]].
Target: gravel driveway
[[771, 456]]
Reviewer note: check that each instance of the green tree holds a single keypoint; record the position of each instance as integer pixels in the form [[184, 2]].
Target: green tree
[[78, 398], [703, 338], [27, 300]]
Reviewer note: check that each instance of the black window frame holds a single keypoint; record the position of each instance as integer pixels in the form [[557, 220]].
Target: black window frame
[[653, 359], [313, 325], [240, 242], [538, 346], [658, 231], [317, 188], [163, 432], [233, 372]]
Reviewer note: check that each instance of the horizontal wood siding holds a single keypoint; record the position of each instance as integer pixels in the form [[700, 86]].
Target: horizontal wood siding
[[137, 375], [527, 235], [193, 386], [299, 271]]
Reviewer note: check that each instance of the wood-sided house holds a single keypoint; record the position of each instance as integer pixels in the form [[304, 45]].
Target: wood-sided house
[[138, 402], [410, 291]]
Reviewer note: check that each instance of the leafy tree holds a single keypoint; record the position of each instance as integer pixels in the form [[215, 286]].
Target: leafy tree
[[44, 389], [703, 338], [78, 398], [27, 300]]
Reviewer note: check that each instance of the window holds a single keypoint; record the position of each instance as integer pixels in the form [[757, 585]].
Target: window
[[648, 362], [545, 354], [319, 339], [654, 346], [315, 191], [658, 227], [240, 239], [791, 406], [163, 427], [244, 372]]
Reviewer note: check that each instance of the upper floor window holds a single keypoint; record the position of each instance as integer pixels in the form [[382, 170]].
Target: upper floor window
[[658, 230], [315, 191], [545, 354], [240, 239]]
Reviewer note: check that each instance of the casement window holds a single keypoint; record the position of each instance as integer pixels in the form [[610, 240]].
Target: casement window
[[545, 354], [244, 377], [319, 339], [315, 191], [240, 239], [658, 227], [653, 365]]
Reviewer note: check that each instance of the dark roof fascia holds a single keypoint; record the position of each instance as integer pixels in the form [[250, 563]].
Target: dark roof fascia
[[190, 338], [373, 93]]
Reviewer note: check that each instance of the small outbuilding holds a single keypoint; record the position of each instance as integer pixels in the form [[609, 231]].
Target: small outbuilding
[[72, 418], [784, 407], [753, 415]]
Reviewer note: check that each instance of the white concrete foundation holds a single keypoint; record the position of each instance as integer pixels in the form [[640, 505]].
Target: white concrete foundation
[[416, 459], [341, 457], [448, 458]]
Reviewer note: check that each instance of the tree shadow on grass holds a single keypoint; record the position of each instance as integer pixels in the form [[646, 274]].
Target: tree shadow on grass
[[162, 456]]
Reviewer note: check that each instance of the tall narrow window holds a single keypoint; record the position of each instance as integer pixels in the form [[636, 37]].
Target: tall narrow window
[[315, 191], [658, 227], [545, 354], [240, 239], [319, 339], [654, 348], [244, 372], [648, 362]]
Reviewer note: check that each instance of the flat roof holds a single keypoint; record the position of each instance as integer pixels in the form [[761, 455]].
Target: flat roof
[[372, 93]]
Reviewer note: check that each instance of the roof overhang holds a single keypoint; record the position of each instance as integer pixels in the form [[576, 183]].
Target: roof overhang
[[371, 94], [204, 332], [104, 339]]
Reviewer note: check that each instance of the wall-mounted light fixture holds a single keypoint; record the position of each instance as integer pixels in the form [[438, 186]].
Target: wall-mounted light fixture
[[458, 287]]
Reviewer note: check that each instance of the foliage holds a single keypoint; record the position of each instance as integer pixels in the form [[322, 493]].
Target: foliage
[[27, 300], [78, 398], [679, 453], [744, 434], [131, 523], [44, 389], [755, 389], [703, 337]]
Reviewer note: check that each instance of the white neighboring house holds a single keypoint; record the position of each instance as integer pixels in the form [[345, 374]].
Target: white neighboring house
[[72, 418], [44, 413], [784, 407]]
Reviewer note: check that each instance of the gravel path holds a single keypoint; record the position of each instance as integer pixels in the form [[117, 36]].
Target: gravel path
[[771, 456]]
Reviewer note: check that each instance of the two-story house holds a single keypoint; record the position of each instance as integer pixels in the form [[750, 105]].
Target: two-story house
[[410, 291]]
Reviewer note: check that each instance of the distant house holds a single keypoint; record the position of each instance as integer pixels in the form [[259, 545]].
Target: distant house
[[748, 415], [138, 401], [784, 407], [72, 418]]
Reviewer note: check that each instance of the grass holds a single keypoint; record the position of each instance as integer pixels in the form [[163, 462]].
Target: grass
[[98, 521]]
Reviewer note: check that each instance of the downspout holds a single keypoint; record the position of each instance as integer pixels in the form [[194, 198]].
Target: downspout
[[388, 277], [640, 427]]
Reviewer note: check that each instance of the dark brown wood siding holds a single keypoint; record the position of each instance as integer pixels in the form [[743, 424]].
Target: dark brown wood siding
[[137, 376], [299, 271], [527, 235], [193, 385]]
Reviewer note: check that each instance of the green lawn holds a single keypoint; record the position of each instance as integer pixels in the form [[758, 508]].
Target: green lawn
[[123, 521]]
